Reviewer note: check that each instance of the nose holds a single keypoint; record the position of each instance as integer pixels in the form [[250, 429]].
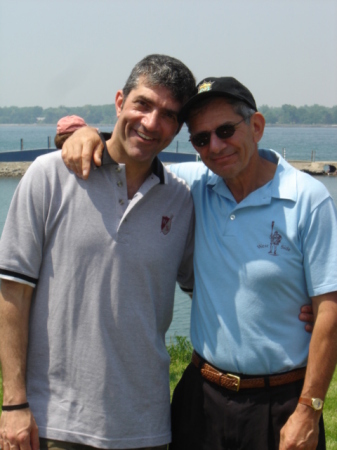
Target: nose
[[216, 144], [151, 120]]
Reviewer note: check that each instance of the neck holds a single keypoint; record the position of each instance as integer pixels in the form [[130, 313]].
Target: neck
[[135, 177], [136, 172], [259, 172]]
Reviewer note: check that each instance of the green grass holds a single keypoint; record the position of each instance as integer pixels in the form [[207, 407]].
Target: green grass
[[330, 415], [180, 353]]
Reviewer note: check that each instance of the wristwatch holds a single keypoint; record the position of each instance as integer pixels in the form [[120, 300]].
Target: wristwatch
[[314, 403]]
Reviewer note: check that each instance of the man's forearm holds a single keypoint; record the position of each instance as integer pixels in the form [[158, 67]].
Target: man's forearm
[[15, 300], [301, 429], [323, 348]]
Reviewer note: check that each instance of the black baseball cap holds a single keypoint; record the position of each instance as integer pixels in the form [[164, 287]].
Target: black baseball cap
[[218, 87]]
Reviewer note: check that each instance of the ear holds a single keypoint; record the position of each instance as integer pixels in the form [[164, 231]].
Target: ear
[[258, 122], [119, 102]]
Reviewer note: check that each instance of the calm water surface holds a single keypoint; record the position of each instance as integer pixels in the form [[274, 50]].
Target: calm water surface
[[298, 142]]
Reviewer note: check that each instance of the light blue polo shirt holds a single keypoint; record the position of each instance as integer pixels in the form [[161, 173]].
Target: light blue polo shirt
[[256, 263]]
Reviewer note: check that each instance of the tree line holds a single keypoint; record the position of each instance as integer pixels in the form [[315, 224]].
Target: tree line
[[303, 115], [100, 115], [106, 114]]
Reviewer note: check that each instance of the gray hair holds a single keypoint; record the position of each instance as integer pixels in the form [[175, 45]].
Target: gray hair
[[243, 109], [239, 107], [165, 71]]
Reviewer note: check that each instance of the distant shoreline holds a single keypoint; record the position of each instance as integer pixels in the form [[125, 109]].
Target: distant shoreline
[[299, 125]]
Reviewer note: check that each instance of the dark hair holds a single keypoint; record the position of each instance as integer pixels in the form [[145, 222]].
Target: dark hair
[[60, 139], [163, 70], [241, 108]]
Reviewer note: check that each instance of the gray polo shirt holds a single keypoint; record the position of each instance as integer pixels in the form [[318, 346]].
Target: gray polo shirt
[[105, 272]]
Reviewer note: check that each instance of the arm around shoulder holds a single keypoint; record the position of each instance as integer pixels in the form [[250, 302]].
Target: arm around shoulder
[[79, 150]]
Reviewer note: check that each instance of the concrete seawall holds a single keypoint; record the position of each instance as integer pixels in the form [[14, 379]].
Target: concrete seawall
[[316, 167], [17, 169], [13, 169]]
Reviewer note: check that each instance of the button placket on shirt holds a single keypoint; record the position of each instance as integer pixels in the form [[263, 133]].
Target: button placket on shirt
[[120, 184], [121, 191]]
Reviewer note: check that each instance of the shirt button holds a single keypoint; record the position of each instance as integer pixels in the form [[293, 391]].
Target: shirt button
[[121, 201], [232, 216], [119, 183], [118, 169]]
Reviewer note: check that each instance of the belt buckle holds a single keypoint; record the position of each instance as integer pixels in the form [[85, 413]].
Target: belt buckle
[[234, 377]]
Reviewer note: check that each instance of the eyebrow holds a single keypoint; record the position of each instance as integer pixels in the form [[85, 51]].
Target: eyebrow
[[208, 131], [146, 99]]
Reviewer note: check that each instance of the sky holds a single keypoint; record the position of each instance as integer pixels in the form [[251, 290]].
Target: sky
[[80, 52]]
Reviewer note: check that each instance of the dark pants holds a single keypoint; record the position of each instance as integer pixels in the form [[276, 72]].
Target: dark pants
[[51, 444], [206, 416]]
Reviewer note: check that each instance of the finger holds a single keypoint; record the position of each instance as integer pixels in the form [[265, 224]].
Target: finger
[[306, 309], [8, 445], [309, 328], [19, 442], [86, 158], [76, 159], [70, 153], [91, 152], [34, 437], [306, 318], [98, 152]]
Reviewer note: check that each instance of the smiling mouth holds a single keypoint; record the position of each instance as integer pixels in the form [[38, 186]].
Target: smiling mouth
[[223, 157], [143, 136]]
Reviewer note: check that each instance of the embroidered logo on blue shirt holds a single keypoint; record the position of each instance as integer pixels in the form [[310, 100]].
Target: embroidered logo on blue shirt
[[275, 239]]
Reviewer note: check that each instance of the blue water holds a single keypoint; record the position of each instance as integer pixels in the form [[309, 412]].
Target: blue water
[[298, 143]]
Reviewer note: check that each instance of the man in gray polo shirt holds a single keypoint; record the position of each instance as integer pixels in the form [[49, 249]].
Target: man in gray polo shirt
[[88, 272]]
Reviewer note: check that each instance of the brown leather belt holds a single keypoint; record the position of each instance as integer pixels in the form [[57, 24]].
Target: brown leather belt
[[234, 382]]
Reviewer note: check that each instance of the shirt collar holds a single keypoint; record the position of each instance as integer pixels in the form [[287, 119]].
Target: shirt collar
[[283, 185], [157, 165]]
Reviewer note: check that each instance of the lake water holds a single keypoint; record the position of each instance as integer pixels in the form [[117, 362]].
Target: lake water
[[298, 143]]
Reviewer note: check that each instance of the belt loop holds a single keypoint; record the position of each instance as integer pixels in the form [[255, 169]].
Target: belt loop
[[266, 382]]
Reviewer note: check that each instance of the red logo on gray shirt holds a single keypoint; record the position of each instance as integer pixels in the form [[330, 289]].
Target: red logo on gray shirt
[[166, 224]]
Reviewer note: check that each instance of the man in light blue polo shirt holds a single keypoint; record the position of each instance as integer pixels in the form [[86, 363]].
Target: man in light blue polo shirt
[[258, 258], [265, 243]]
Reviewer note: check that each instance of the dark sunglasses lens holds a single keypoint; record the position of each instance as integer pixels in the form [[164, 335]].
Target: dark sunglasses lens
[[225, 131], [200, 140]]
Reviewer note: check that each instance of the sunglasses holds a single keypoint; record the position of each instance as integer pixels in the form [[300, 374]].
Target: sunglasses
[[223, 132]]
